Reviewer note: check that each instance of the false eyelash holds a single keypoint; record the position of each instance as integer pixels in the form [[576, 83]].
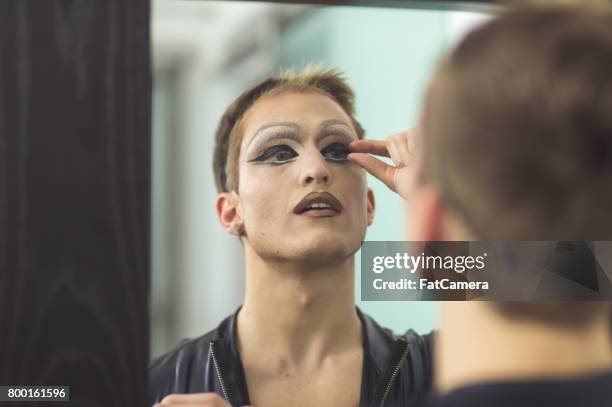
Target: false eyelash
[[270, 151], [343, 150]]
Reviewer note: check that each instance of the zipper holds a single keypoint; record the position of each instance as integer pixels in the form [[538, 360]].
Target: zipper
[[218, 370], [394, 375]]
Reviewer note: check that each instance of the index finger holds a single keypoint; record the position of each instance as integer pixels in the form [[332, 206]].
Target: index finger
[[191, 398], [377, 147]]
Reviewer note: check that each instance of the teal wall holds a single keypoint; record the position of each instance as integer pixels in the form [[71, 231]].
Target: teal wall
[[388, 56]]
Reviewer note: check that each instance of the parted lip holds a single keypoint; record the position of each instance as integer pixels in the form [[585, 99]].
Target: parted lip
[[318, 197]]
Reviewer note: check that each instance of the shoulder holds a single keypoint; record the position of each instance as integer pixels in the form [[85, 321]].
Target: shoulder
[[420, 344], [177, 370], [404, 358], [182, 355], [420, 355], [386, 337]]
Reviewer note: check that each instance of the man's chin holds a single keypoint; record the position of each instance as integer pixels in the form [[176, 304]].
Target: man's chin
[[325, 250]]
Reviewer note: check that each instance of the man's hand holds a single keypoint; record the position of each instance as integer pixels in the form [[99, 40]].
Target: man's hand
[[401, 148], [193, 400]]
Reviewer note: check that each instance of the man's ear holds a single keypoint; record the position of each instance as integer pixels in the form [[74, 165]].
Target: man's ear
[[371, 206], [228, 212], [426, 215]]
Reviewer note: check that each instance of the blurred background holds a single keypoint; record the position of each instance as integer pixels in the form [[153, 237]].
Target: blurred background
[[205, 53]]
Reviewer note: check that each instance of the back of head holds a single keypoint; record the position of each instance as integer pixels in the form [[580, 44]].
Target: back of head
[[524, 150], [518, 133]]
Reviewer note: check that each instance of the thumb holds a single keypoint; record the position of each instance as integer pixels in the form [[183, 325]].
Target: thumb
[[376, 167]]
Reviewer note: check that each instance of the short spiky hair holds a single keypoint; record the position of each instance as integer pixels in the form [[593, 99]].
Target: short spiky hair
[[311, 79]]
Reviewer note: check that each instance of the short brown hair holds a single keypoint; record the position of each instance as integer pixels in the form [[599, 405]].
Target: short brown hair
[[518, 125], [518, 135], [311, 79]]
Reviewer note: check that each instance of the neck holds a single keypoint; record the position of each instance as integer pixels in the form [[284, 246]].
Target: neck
[[478, 345], [298, 310]]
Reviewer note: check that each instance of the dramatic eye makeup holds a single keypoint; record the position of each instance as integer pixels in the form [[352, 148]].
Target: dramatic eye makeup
[[277, 154], [272, 144], [336, 151], [336, 137], [276, 144]]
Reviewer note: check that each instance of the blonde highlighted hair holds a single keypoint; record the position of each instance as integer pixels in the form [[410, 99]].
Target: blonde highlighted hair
[[228, 137]]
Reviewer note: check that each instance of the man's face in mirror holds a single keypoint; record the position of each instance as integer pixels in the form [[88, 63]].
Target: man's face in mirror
[[295, 144]]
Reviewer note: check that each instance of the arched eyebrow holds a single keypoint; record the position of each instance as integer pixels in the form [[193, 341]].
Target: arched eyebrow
[[294, 135], [333, 126], [333, 122]]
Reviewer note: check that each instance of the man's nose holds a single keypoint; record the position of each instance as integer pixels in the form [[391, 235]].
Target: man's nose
[[314, 170]]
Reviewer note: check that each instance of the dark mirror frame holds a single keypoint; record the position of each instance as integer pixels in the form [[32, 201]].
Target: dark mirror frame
[[485, 6]]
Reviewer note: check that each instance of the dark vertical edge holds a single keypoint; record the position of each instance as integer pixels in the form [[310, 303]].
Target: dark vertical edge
[[75, 106]]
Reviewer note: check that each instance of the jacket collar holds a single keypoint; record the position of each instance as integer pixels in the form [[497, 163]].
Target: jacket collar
[[229, 363], [379, 353]]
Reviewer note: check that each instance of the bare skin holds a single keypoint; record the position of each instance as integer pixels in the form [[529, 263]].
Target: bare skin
[[514, 350], [193, 400], [311, 336]]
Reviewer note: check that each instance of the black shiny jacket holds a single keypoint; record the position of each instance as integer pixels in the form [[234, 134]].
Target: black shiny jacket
[[397, 370]]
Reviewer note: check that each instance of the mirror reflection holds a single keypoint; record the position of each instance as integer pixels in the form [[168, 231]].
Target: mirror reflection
[[254, 202]]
